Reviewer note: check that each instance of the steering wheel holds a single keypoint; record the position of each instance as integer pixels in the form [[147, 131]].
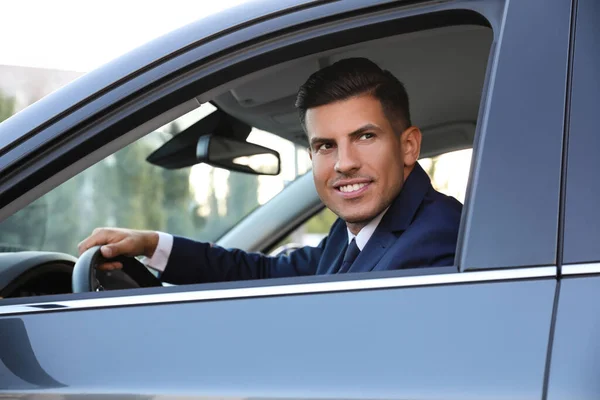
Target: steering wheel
[[85, 275]]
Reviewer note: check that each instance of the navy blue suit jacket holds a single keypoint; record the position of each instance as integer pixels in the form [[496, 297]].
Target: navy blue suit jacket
[[419, 229]]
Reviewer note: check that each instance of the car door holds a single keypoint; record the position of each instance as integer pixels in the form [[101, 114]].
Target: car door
[[575, 350], [479, 329]]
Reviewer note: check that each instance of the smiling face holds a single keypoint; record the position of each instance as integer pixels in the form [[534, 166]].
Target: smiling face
[[359, 162]]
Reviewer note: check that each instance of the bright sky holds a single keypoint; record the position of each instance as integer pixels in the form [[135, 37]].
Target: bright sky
[[81, 35]]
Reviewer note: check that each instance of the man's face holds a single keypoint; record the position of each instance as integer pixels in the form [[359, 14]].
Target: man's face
[[359, 162]]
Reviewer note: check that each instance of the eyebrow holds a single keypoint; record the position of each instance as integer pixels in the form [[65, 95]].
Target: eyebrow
[[365, 128], [359, 131]]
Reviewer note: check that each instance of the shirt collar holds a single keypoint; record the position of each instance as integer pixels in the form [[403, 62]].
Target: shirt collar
[[366, 232]]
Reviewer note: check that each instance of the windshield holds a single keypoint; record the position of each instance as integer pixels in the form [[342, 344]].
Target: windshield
[[124, 190]]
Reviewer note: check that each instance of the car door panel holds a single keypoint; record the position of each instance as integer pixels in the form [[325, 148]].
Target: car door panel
[[472, 340], [576, 349]]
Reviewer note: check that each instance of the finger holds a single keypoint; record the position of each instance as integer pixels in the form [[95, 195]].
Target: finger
[[124, 247], [109, 266], [98, 237]]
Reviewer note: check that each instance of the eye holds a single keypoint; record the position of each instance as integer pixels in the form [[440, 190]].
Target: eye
[[324, 147], [366, 136]]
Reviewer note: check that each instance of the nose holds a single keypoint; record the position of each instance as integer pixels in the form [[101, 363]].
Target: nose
[[347, 159]]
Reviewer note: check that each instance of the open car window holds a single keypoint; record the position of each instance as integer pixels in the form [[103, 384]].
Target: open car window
[[443, 69]]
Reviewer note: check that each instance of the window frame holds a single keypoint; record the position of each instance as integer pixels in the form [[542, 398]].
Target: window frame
[[519, 230], [581, 215]]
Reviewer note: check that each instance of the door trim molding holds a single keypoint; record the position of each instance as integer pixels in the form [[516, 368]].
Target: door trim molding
[[286, 290], [580, 269]]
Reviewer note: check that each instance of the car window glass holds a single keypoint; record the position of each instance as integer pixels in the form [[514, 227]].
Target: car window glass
[[125, 190]]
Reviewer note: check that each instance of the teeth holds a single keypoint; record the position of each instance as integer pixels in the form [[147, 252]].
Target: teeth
[[352, 188]]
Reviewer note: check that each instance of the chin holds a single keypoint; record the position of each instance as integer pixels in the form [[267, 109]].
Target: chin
[[358, 218]]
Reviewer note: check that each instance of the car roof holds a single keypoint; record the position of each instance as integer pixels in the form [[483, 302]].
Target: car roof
[[146, 56]]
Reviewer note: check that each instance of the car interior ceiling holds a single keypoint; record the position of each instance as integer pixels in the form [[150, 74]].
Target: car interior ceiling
[[443, 70]]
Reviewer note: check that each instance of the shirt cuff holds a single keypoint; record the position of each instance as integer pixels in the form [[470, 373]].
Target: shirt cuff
[[160, 258]]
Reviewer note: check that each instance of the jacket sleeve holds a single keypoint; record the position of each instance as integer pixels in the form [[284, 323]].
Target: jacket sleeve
[[198, 262]]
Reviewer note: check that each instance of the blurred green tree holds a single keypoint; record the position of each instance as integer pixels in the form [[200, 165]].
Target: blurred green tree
[[7, 106], [321, 223]]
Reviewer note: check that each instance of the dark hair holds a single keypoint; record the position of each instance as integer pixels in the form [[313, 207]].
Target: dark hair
[[353, 77]]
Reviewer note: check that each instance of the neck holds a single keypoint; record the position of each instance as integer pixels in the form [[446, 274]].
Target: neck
[[355, 227]]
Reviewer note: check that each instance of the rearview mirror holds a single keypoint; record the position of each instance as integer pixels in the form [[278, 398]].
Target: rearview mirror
[[237, 155]]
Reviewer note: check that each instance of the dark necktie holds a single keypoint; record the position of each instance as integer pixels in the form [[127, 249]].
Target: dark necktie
[[352, 252]]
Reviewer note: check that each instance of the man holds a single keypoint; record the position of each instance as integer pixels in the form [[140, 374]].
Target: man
[[364, 153]]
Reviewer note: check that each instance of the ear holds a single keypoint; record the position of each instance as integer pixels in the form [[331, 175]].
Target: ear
[[411, 145]]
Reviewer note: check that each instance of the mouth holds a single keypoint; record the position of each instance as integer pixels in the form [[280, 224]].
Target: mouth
[[352, 190]]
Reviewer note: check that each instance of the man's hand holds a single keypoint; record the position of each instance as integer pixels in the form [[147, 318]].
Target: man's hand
[[116, 242]]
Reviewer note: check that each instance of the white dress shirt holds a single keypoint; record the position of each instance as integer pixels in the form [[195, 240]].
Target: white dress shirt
[[365, 233], [160, 257]]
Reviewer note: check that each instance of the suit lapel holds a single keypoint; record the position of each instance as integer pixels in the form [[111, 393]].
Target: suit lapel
[[332, 257], [396, 220], [375, 248]]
